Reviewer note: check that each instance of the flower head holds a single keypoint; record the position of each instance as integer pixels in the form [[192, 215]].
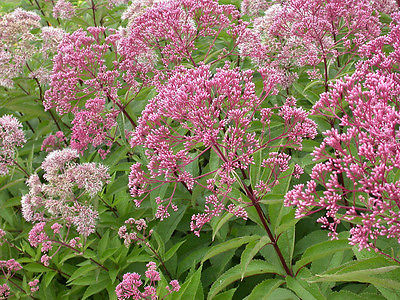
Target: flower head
[[11, 136]]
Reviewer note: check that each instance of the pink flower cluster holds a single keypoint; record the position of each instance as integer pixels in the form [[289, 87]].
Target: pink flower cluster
[[386, 6], [360, 160], [82, 84], [39, 237], [11, 136], [9, 267], [2, 236], [130, 287], [54, 142], [62, 197], [34, 285], [4, 291], [215, 112], [165, 34]]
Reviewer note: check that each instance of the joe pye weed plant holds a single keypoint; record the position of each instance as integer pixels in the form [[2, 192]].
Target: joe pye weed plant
[[199, 149]]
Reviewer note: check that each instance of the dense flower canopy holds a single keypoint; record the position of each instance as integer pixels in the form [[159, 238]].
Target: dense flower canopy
[[199, 149]]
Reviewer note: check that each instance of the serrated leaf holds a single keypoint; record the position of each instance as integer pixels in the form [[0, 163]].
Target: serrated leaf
[[48, 277], [251, 250], [228, 245], [81, 271], [189, 289], [365, 276], [172, 250], [304, 290], [95, 288], [102, 246], [343, 294], [35, 267], [255, 267], [321, 250], [225, 218], [225, 295], [263, 290]]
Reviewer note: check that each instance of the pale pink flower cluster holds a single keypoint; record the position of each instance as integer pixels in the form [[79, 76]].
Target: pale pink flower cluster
[[359, 163], [254, 7], [11, 136], [137, 8], [63, 9], [16, 43], [42, 74], [138, 232], [62, 197], [51, 38], [216, 111], [307, 32], [131, 285], [112, 3]]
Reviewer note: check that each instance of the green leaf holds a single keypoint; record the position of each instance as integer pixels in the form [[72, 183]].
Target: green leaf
[[343, 294], [95, 289], [173, 250], [310, 96], [109, 252], [116, 156], [102, 246], [235, 273], [35, 267], [365, 276], [251, 251], [189, 289], [221, 221], [228, 245], [255, 169], [287, 222], [113, 273], [225, 295], [264, 290], [167, 227], [139, 258], [321, 250], [111, 292], [11, 183], [303, 289], [48, 277], [81, 271], [160, 242]]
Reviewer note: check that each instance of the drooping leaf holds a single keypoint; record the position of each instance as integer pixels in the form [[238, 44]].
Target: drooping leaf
[[228, 245], [235, 273]]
